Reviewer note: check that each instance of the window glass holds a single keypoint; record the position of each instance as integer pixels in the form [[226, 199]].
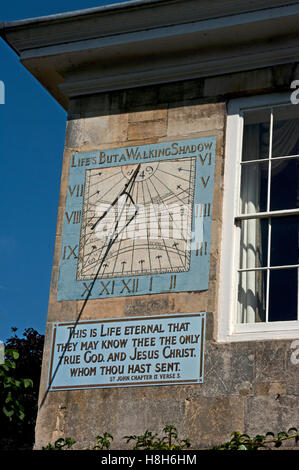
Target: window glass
[[283, 294], [284, 241], [269, 242], [284, 184], [256, 135], [285, 131], [254, 184], [252, 296], [253, 243]]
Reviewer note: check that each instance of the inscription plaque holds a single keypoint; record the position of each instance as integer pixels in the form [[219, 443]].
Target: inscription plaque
[[126, 352]]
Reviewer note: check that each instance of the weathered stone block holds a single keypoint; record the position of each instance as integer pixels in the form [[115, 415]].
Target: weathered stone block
[[292, 368], [151, 305], [186, 90], [152, 114], [270, 388], [62, 311], [74, 133], [103, 308], [99, 130], [103, 104], [238, 82], [270, 361], [229, 370], [212, 419], [271, 413], [191, 118], [136, 416], [186, 302], [144, 129], [141, 96]]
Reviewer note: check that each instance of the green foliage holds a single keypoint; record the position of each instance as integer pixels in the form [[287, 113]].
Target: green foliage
[[171, 441], [20, 406], [150, 441], [10, 388], [241, 441], [103, 442], [60, 444]]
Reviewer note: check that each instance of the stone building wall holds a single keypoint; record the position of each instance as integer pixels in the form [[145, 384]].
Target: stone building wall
[[249, 386]]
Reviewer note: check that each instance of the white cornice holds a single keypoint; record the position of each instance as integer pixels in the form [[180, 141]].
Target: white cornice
[[218, 66], [147, 42]]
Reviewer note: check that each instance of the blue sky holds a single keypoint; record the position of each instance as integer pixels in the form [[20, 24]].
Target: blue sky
[[32, 130]]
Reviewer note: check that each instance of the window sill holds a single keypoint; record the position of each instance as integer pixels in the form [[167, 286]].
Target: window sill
[[263, 331]]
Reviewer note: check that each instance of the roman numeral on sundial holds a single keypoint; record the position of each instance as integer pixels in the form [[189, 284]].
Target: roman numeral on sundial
[[204, 181], [68, 251], [76, 190], [129, 286], [172, 283], [203, 159], [201, 248], [87, 288], [203, 210], [107, 287], [74, 217]]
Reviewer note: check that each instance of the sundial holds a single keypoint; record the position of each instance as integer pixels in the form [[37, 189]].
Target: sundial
[[138, 219]]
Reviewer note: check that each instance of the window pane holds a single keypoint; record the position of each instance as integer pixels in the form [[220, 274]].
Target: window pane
[[284, 241], [256, 135], [284, 184], [254, 183], [253, 243], [252, 296], [283, 294], [285, 131]]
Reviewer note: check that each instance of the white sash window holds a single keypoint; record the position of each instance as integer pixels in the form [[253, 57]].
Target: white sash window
[[260, 264]]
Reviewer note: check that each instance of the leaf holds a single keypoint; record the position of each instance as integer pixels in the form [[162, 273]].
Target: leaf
[[8, 381], [7, 412], [69, 442], [15, 354], [282, 434], [28, 383], [8, 398], [12, 353], [259, 438]]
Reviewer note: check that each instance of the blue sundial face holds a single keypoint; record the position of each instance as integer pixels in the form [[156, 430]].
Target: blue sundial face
[[138, 219]]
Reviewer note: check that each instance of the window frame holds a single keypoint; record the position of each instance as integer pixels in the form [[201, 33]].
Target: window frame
[[228, 328]]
